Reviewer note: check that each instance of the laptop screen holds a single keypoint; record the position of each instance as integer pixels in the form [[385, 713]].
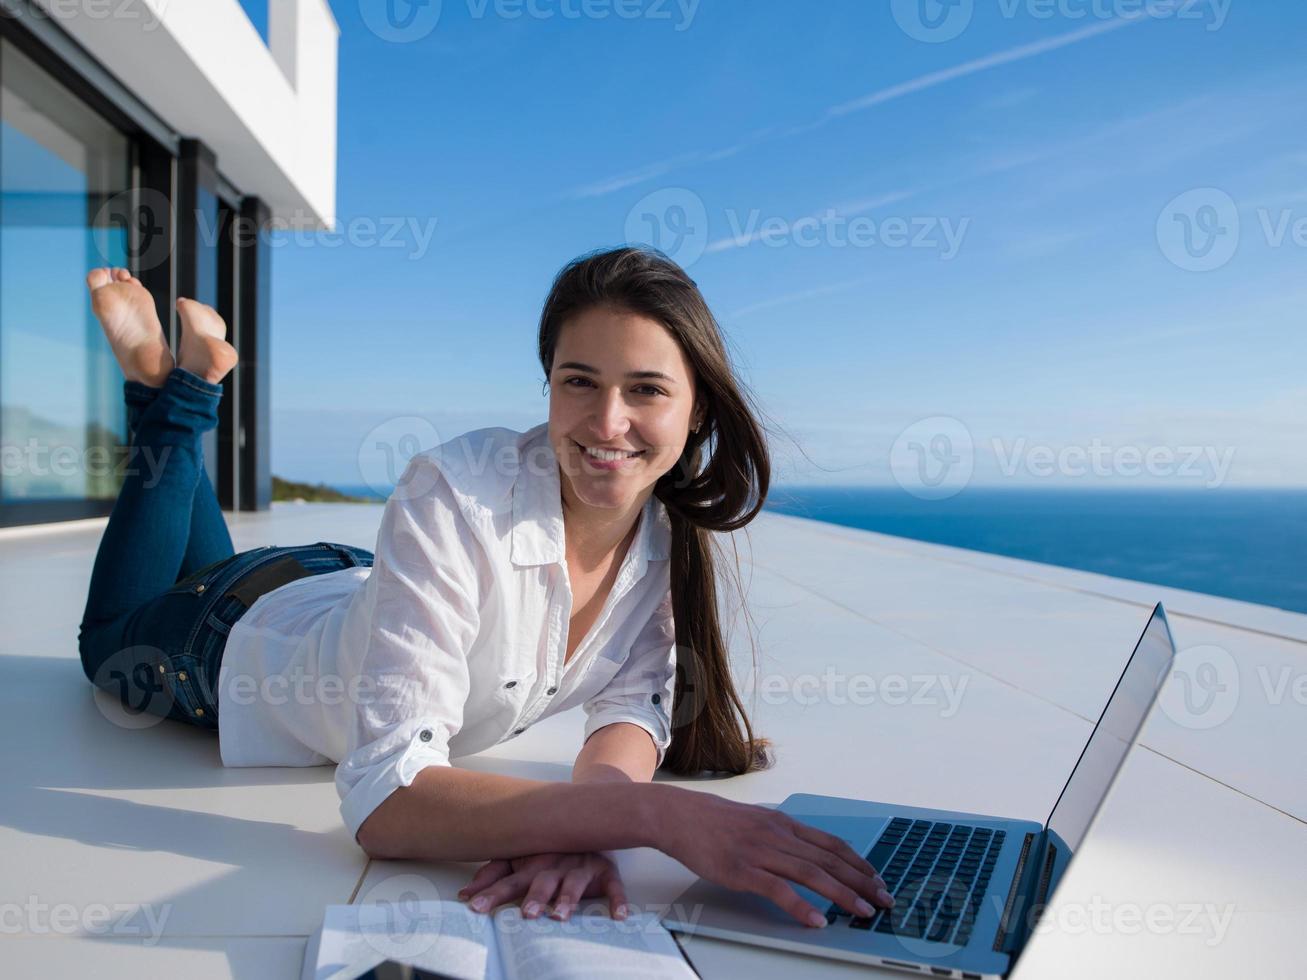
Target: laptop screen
[[1115, 732]]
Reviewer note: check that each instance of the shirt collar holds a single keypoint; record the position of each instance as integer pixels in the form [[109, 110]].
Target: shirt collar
[[538, 537]]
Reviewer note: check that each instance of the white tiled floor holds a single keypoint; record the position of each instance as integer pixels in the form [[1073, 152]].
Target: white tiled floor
[[227, 871]]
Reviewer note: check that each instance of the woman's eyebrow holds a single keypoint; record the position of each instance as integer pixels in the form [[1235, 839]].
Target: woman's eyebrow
[[577, 365]]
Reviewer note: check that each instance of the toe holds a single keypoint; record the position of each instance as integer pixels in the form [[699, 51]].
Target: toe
[[97, 278], [122, 275]]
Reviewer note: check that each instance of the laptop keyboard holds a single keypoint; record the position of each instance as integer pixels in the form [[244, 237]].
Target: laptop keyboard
[[937, 873]]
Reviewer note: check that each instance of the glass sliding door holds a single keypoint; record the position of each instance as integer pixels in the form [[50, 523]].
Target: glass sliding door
[[65, 174]]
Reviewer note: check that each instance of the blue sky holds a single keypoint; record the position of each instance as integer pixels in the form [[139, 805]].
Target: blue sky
[[1044, 164]]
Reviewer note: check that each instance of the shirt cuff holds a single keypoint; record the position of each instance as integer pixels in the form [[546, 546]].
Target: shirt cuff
[[368, 776]]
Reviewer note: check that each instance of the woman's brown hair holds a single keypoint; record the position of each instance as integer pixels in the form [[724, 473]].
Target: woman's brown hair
[[710, 728]]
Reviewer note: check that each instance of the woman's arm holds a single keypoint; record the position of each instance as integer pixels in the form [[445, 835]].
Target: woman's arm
[[450, 814], [620, 752]]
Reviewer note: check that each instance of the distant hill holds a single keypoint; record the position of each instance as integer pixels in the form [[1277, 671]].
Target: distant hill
[[314, 493]]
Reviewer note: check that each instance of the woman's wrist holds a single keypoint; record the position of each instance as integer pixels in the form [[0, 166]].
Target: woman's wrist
[[653, 810]]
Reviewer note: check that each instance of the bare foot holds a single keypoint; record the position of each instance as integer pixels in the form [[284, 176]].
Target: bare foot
[[204, 348], [126, 313]]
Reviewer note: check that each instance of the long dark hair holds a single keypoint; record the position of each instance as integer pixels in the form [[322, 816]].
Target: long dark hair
[[722, 494]]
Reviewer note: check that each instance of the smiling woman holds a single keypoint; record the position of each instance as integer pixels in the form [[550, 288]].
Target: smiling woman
[[575, 570]]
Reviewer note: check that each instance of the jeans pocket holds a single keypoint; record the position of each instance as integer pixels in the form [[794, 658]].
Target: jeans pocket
[[183, 683]]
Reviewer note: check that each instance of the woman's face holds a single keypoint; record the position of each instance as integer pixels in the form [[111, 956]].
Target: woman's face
[[597, 400]]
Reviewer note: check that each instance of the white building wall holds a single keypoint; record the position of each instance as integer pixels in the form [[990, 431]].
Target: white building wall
[[267, 111]]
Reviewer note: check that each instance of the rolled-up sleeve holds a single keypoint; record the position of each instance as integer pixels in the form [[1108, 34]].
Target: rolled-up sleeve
[[642, 689], [420, 619]]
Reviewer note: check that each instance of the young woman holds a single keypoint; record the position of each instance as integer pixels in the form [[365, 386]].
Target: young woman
[[516, 575]]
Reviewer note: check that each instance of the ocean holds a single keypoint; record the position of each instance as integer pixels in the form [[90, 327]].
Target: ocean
[[1241, 544]]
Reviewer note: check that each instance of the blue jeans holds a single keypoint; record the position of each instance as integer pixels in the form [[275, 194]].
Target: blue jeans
[[158, 610]]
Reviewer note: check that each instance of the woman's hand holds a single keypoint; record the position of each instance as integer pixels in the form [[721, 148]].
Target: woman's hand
[[539, 876], [758, 849]]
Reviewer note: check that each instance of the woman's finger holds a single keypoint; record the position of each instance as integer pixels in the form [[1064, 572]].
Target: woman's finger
[[776, 888], [573, 886], [541, 892], [837, 846], [616, 892], [506, 889], [811, 876], [869, 886], [486, 875]]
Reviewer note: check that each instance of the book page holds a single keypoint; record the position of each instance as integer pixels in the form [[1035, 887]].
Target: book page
[[445, 938], [588, 947]]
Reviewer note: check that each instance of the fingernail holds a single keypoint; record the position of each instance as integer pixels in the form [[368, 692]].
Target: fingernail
[[864, 908], [480, 902], [817, 920], [885, 897], [531, 908], [559, 912]]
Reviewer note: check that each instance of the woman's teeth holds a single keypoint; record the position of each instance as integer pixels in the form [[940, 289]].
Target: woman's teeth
[[609, 455]]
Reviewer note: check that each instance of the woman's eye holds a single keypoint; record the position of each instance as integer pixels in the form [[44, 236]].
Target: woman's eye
[[643, 389]]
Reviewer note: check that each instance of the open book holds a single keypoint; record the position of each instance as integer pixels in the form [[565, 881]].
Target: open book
[[448, 939]]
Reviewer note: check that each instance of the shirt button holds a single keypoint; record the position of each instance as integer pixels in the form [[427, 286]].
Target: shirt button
[[552, 690], [518, 731], [656, 698], [511, 684], [425, 735]]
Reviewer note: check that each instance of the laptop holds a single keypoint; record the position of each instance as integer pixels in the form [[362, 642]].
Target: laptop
[[968, 887]]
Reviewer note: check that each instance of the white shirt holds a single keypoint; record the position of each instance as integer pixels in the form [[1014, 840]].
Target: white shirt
[[454, 639]]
